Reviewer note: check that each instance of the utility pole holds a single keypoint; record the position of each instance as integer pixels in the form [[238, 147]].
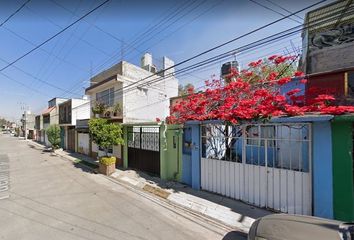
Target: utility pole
[[24, 108]]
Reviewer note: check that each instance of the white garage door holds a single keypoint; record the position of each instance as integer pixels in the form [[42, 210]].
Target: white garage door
[[267, 165], [83, 143]]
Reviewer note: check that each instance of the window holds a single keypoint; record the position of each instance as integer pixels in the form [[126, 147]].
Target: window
[[106, 97], [257, 134], [351, 84], [221, 142], [46, 119]]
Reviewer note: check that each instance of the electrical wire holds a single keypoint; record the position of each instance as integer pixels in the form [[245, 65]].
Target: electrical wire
[[141, 52], [286, 10], [14, 13], [54, 36], [274, 37], [228, 42], [273, 10], [258, 41]]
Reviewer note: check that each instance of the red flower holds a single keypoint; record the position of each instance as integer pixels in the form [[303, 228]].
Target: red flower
[[255, 64], [271, 58], [280, 59], [324, 97], [298, 74], [272, 76], [303, 81], [294, 91], [158, 120], [293, 110], [284, 80], [243, 99], [280, 98], [336, 110]]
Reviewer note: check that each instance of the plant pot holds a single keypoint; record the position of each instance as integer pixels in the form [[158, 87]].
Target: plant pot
[[107, 165], [107, 169]]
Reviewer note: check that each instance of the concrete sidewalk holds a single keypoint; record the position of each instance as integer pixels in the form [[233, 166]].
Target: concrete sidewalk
[[229, 212]]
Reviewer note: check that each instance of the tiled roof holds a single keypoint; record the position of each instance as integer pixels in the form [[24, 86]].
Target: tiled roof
[[48, 110]]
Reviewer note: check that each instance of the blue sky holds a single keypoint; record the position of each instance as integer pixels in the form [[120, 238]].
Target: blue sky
[[67, 62]]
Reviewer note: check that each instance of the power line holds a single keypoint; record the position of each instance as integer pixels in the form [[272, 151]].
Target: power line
[[249, 46], [286, 10], [271, 9], [163, 21], [72, 47], [274, 37], [132, 46], [14, 13], [60, 27], [34, 77], [103, 31], [43, 49], [22, 84], [232, 40], [52, 37], [42, 69], [164, 27], [183, 25]]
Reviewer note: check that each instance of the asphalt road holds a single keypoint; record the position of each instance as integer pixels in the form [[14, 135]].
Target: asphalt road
[[52, 198]]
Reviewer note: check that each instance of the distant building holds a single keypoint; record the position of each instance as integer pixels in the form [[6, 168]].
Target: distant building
[[69, 112], [50, 116], [133, 94], [226, 70], [28, 122]]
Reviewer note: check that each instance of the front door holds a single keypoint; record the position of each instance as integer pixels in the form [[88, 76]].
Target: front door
[[71, 139]]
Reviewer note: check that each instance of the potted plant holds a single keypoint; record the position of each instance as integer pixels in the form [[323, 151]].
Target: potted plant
[[99, 108], [117, 110], [105, 135], [108, 112]]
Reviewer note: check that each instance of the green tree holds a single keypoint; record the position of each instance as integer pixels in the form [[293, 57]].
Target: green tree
[[3, 121], [53, 133], [105, 134]]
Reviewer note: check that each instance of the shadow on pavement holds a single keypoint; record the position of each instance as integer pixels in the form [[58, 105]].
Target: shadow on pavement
[[242, 208], [235, 235]]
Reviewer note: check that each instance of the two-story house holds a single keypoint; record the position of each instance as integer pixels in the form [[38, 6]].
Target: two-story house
[[69, 112], [50, 116], [133, 94]]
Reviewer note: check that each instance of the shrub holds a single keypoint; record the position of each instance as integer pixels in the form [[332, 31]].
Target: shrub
[[108, 160], [99, 108], [105, 134], [53, 133]]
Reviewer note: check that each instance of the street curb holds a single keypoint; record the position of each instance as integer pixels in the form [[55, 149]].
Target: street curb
[[156, 191], [216, 214]]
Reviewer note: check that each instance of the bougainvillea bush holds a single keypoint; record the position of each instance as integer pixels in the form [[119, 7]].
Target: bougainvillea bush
[[251, 95]]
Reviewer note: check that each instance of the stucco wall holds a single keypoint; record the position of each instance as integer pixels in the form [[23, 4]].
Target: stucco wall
[[146, 103], [322, 170], [80, 110], [171, 152]]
